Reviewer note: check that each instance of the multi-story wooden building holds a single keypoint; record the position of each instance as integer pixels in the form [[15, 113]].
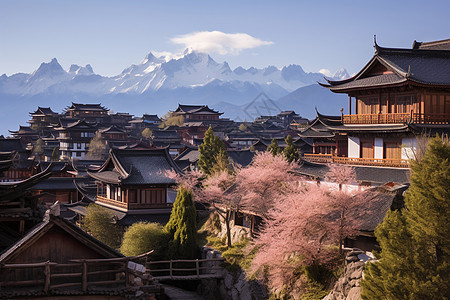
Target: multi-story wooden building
[[134, 179], [42, 118], [74, 138], [196, 113], [89, 112], [398, 96]]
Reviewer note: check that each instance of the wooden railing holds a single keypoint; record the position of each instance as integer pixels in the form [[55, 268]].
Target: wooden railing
[[185, 269], [381, 162], [321, 158], [396, 118], [127, 206], [82, 274]]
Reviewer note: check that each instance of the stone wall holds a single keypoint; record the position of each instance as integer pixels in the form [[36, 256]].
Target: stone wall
[[233, 285], [347, 287]]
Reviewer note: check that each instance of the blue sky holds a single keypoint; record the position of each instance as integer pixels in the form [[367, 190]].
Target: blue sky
[[112, 35]]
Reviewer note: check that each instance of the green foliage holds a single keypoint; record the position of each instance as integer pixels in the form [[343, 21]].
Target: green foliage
[[290, 152], [38, 148], [147, 133], [99, 223], [182, 227], [55, 154], [97, 147], [314, 291], [415, 259], [213, 156], [274, 148], [143, 237]]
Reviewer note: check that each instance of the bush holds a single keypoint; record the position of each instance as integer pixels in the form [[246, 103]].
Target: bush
[[100, 224], [143, 237]]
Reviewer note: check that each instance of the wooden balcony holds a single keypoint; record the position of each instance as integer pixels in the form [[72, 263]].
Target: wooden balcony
[[397, 118], [131, 206], [378, 162]]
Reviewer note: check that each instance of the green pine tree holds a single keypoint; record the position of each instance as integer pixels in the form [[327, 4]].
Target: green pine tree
[[212, 154], [182, 227], [38, 148], [274, 148], [55, 154], [290, 152], [415, 259]]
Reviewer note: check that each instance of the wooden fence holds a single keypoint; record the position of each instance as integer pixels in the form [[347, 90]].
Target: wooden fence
[[81, 274], [185, 269]]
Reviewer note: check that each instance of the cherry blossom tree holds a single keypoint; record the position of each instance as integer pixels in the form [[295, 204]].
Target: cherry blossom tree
[[303, 228], [264, 181], [341, 174], [343, 202]]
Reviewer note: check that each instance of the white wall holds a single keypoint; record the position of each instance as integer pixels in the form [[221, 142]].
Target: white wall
[[409, 146], [171, 195], [353, 147], [378, 145], [108, 192]]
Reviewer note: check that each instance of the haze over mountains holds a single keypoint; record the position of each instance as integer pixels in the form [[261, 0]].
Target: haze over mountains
[[158, 84]]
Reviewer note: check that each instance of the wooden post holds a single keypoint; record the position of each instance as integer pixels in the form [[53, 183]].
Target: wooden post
[[349, 104], [84, 277], [197, 269], [170, 268], [47, 276], [127, 273]]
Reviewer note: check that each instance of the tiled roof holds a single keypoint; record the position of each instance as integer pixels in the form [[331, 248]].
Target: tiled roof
[[191, 109], [242, 157], [8, 145], [82, 106], [426, 65], [376, 175], [70, 229], [134, 167], [435, 45]]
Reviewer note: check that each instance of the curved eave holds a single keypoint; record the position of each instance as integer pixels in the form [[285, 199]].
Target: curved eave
[[103, 179], [359, 88]]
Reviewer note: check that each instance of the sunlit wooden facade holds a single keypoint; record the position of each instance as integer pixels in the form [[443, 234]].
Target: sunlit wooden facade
[[399, 95]]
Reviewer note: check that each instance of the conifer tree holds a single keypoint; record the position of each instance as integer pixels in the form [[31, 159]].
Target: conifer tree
[[182, 226], [274, 148], [212, 153], [414, 262], [55, 154], [290, 152]]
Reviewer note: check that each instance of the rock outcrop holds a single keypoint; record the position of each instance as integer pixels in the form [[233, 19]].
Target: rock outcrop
[[347, 287]]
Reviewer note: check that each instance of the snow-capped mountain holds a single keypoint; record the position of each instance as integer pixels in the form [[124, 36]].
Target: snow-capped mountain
[[155, 85], [189, 70]]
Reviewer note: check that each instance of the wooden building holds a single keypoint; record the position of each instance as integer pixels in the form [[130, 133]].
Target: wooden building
[[399, 95], [58, 260], [89, 112], [134, 180], [74, 138], [196, 113], [42, 119], [19, 211], [21, 167]]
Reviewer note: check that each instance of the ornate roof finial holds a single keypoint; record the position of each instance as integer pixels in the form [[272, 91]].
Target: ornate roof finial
[[409, 72], [375, 43]]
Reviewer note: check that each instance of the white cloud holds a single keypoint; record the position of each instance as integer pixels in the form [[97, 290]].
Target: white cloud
[[326, 72], [219, 42]]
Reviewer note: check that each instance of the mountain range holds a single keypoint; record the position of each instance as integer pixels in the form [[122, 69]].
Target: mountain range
[[158, 84]]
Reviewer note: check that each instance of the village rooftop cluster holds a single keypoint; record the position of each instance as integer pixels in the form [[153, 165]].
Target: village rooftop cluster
[[400, 97]]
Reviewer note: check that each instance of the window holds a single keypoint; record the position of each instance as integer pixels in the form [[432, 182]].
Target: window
[[404, 103], [78, 154]]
